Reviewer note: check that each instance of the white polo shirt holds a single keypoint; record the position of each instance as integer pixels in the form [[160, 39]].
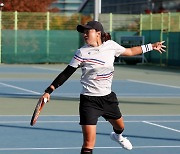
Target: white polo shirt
[[97, 64]]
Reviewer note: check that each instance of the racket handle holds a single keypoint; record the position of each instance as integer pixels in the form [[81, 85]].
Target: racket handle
[[45, 100]]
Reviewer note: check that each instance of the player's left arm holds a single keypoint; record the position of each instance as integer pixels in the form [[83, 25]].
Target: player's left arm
[[158, 46]]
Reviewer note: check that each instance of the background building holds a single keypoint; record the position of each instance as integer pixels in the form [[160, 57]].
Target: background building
[[131, 6], [68, 6]]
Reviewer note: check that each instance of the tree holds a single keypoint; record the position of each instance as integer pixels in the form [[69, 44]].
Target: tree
[[29, 5]]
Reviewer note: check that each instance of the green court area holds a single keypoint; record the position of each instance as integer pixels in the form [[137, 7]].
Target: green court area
[[129, 106]]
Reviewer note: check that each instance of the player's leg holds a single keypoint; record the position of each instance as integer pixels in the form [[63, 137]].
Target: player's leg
[[89, 138], [88, 119], [118, 124], [118, 127], [113, 115]]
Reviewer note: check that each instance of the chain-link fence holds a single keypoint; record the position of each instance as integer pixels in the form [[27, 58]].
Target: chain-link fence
[[153, 27], [53, 36]]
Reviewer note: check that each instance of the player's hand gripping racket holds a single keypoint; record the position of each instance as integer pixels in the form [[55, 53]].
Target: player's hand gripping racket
[[37, 110]]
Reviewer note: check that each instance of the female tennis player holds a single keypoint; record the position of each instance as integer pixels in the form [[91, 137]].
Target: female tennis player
[[96, 60]]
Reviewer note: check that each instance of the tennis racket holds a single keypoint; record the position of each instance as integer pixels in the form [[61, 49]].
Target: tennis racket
[[37, 110]]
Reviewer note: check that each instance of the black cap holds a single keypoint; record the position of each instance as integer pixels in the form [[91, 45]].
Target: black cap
[[91, 25]]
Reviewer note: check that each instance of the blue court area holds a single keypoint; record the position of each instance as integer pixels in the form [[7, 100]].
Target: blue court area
[[62, 134], [30, 85], [72, 88]]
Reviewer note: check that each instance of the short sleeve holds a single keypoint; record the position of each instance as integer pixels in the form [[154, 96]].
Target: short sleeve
[[76, 60], [118, 48]]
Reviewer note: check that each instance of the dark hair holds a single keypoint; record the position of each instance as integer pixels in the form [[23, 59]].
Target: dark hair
[[105, 37]]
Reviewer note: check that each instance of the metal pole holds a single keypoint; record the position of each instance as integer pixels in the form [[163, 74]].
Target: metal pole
[[97, 9]]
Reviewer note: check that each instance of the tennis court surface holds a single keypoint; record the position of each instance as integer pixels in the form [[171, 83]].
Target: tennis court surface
[[149, 100]]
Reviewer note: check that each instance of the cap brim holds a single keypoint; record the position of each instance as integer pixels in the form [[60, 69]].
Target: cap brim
[[81, 28]]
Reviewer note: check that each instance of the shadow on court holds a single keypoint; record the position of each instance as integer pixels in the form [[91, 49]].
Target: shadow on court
[[79, 132], [31, 96], [148, 103]]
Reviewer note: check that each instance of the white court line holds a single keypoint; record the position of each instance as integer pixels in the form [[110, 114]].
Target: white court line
[[176, 130], [123, 116], [41, 115], [53, 69], [18, 122], [74, 148], [168, 115], [157, 84], [156, 115], [45, 68], [60, 121], [19, 88], [77, 121], [129, 95]]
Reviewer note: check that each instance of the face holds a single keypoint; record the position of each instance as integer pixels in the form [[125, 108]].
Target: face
[[92, 37]]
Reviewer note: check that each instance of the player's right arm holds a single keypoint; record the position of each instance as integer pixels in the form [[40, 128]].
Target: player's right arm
[[59, 80], [64, 75]]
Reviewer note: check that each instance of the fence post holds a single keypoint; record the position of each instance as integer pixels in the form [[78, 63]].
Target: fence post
[[161, 33], [15, 29], [162, 26], [140, 25], [179, 23], [79, 18], [47, 37], [0, 34], [151, 21], [167, 39], [1, 6], [110, 24]]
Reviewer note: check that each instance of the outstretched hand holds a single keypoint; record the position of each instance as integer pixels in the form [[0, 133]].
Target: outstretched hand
[[159, 46]]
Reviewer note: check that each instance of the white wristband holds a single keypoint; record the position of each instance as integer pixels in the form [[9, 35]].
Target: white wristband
[[146, 48]]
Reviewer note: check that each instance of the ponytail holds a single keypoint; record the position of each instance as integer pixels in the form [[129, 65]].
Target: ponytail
[[105, 37]]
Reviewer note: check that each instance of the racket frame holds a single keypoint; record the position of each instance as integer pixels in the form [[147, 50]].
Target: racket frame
[[37, 111]]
